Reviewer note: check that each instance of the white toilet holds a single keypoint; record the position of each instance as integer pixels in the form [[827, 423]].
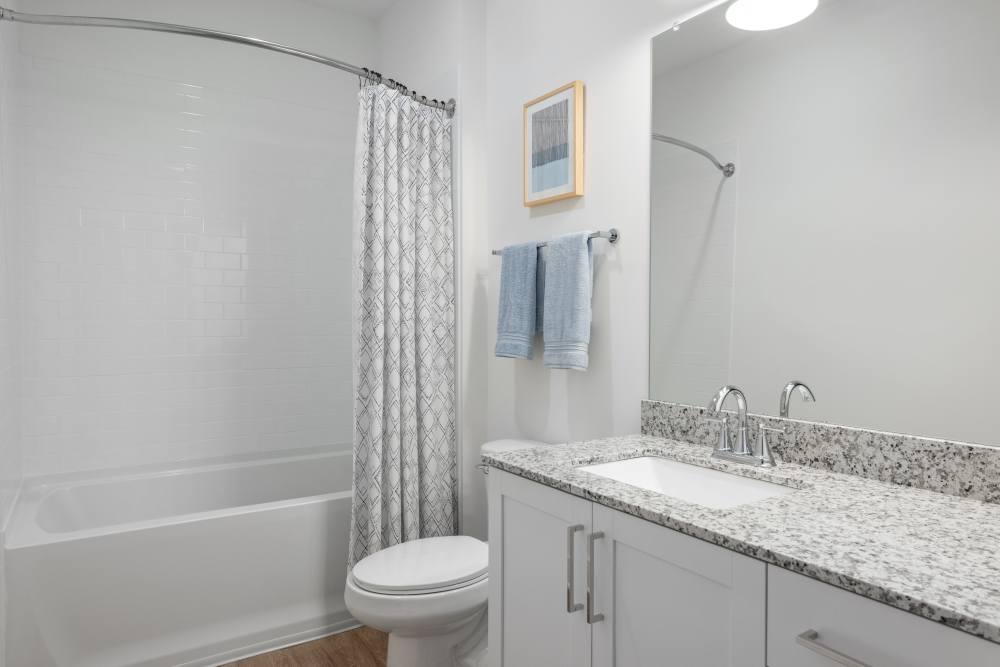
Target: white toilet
[[429, 595]]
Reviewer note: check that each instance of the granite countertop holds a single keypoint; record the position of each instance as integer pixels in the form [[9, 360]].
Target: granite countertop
[[931, 554]]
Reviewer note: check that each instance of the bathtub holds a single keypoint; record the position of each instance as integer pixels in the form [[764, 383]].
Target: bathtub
[[195, 566]]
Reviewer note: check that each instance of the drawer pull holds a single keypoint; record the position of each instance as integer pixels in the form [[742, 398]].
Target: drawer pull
[[571, 603], [592, 616], [810, 639]]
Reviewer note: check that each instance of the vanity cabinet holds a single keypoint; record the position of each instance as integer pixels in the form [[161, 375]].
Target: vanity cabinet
[[807, 620], [537, 556], [575, 583], [670, 599]]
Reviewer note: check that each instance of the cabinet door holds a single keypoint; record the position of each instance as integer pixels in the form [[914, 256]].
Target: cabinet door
[[808, 619], [672, 600], [537, 538]]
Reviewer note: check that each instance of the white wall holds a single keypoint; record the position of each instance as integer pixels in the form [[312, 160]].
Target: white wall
[[418, 44], [475, 262], [532, 48], [866, 228], [186, 225]]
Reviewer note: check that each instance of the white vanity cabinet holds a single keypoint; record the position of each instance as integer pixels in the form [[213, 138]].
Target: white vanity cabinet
[[536, 539], [812, 624], [576, 584], [657, 597], [670, 599]]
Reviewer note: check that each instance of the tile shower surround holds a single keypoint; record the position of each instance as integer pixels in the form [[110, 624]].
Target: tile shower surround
[[182, 255], [954, 468]]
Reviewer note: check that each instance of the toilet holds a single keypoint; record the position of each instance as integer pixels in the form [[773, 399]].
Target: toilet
[[429, 594]]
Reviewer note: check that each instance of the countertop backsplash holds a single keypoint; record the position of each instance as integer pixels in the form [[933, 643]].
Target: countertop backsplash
[[954, 468]]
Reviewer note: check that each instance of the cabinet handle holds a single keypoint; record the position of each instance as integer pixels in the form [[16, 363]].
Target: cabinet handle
[[571, 604], [592, 617], [810, 639]]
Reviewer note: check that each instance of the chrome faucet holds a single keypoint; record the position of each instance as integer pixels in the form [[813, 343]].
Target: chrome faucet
[[786, 396], [742, 447], [742, 452]]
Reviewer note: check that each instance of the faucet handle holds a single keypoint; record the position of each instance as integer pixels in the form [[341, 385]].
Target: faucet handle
[[724, 444], [764, 453]]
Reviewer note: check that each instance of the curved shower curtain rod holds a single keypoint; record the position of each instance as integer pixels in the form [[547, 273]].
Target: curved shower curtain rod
[[727, 169], [156, 26]]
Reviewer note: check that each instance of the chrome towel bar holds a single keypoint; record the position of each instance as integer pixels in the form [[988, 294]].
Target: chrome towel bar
[[612, 235]]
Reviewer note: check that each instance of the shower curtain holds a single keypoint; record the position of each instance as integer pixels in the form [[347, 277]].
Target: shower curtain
[[405, 460]]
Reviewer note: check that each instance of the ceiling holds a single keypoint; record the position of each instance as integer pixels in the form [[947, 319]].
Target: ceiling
[[701, 37], [697, 39]]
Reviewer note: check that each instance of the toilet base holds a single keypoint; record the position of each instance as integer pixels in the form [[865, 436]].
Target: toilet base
[[463, 646]]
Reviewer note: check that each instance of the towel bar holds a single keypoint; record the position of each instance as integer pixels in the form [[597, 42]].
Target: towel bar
[[611, 235]]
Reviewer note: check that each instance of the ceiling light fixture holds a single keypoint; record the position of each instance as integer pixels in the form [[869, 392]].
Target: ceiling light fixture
[[768, 14]]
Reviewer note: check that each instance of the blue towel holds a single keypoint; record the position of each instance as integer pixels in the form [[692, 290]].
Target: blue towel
[[568, 288], [540, 291], [518, 294]]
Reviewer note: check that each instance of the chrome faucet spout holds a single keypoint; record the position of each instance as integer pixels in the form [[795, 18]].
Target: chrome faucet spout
[[720, 397], [715, 405], [786, 395]]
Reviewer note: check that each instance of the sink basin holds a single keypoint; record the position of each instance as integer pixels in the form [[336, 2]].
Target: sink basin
[[691, 483]]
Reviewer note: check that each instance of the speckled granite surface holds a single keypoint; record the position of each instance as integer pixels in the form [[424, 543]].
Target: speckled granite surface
[[931, 554], [958, 469]]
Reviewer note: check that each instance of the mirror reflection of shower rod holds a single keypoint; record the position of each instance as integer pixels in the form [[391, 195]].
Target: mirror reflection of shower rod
[[727, 169]]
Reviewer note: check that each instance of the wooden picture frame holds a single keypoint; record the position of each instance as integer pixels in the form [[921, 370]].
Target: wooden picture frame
[[553, 145]]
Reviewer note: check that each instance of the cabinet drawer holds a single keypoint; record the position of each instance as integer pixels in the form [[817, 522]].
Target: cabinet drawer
[[869, 632]]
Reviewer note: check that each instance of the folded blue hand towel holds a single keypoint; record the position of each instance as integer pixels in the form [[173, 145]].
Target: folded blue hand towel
[[518, 292], [568, 288], [540, 291]]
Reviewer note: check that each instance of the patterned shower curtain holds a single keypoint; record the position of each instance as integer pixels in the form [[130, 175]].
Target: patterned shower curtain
[[405, 461]]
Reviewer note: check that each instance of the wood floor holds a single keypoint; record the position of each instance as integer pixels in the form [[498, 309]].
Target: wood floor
[[363, 647]]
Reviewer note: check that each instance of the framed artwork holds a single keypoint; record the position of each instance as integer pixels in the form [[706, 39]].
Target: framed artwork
[[553, 145]]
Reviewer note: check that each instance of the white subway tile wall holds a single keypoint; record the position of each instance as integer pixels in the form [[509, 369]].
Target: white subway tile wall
[[10, 446], [186, 245], [10, 358]]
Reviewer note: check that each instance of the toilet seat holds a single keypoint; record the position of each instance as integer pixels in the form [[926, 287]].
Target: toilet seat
[[424, 566]]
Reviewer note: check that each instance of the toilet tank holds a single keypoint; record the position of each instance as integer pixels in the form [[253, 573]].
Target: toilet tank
[[508, 445]]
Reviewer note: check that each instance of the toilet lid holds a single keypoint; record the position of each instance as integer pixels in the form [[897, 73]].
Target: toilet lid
[[427, 565]]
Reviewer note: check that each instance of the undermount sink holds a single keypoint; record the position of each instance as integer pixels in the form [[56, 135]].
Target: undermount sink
[[691, 483]]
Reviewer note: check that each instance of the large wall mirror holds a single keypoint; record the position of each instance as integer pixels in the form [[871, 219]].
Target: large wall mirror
[[856, 245]]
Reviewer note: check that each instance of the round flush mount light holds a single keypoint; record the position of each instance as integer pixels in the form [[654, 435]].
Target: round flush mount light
[[768, 14]]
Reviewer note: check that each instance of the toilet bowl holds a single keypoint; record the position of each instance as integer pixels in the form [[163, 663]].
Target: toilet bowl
[[430, 596]]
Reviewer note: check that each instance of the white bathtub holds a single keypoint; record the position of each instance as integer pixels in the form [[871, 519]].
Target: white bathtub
[[193, 566]]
